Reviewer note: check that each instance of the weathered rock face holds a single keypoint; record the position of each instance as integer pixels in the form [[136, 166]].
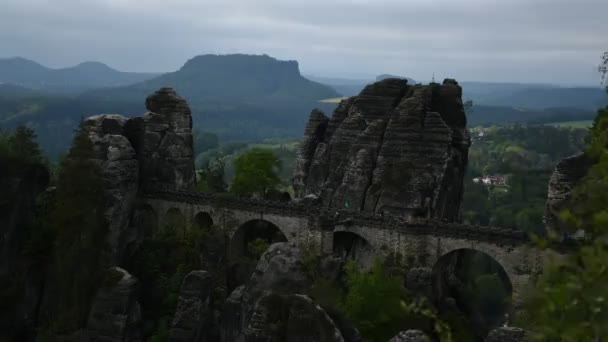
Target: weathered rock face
[[508, 334], [393, 148], [153, 150], [273, 305], [568, 172], [410, 336], [163, 141], [279, 271], [290, 318], [118, 161], [115, 315], [232, 317], [192, 313]]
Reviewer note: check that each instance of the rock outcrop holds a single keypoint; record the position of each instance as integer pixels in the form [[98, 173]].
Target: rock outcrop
[[393, 148], [152, 150], [290, 318], [192, 314], [163, 141], [508, 334], [410, 336], [568, 172], [115, 314], [279, 271], [120, 169], [274, 303]]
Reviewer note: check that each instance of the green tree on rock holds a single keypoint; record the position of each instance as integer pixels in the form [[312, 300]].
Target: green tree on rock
[[256, 172], [80, 230]]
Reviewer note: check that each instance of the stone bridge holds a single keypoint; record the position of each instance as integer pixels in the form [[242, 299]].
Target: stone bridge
[[421, 243]]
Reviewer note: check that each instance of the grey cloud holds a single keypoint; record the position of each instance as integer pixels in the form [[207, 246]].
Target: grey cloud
[[510, 40]]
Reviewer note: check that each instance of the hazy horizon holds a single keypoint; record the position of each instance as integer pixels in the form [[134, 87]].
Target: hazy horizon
[[346, 78], [521, 41]]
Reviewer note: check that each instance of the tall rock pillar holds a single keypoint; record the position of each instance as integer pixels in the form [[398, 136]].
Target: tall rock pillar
[[163, 141]]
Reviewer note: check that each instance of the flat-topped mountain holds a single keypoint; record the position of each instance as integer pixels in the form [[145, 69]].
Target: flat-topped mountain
[[238, 97], [254, 78], [87, 75]]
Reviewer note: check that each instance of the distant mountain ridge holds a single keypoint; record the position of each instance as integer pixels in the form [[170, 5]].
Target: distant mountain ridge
[[255, 78], [239, 97], [84, 76]]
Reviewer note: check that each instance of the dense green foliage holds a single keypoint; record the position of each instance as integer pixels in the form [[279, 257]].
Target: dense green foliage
[[570, 302], [379, 305], [20, 146], [79, 259], [162, 262], [256, 172], [375, 302], [527, 156], [226, 153]]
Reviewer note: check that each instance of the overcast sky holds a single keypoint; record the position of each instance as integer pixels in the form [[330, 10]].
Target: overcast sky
[[557, 41]]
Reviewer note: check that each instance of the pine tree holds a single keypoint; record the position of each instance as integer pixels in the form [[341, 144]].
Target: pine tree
[[80, 233], [23, 144]]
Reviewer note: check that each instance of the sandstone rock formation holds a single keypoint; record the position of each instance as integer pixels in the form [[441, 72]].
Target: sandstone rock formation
[[118, 161], [275, 296], [115, 314], [163, 140], [153, 150], [508, 334], [192, 313], [291, 318], [410, 336], [568, 172], [279, 271], [393, 148], [232, 316]]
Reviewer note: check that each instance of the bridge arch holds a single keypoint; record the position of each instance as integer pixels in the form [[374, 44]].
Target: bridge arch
[[175, 220], [249, 231], [473, 282], [247, 244], [202, 221], [351, 245]]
